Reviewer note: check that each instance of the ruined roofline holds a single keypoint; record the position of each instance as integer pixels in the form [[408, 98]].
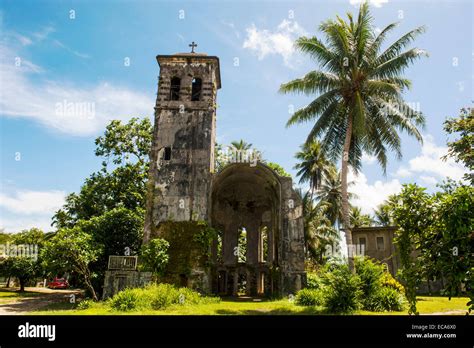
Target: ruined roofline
[[194, 57], [374, 228]]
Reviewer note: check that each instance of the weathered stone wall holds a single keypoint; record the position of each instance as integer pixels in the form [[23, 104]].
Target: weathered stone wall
[[183, 192], [118, 280], [292, 241], [179, 187]]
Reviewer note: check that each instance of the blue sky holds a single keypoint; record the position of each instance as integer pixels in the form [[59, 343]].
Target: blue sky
[[77, 52]]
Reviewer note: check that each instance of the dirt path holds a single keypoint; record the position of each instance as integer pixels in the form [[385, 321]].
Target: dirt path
[[28, 304]]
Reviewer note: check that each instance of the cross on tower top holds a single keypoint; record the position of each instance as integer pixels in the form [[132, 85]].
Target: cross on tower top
[[192, 45]]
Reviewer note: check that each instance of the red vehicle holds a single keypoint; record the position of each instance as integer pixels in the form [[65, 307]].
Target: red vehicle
[[58, 283]]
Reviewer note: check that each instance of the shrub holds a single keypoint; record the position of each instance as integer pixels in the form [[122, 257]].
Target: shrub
[[370, 274], [309, 297], [157, 296], [390, 282], [312, 280], [125, 300], [154, 256], [386, 299], [341, 289], [381, 292]]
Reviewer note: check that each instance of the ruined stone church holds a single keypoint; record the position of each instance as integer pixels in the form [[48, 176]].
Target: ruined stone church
[[187, 195]]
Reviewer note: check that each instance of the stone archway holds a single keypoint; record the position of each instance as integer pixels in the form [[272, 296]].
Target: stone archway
[[246, 198]]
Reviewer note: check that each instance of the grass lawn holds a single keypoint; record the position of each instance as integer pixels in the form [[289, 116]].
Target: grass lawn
[[426, 305]]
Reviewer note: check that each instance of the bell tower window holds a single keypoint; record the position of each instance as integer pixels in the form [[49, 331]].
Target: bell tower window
[[196, 89], [175, 87], [167, 153]]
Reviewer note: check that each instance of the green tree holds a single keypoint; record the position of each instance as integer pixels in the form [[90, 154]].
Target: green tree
[[240, 145], [434, 238], [71, 249], [278, 169], [318, 230], [462, 149], [453, 238], [154, 256], [330, 192], [383, 215], [24, 266], [358, 219], [110, 205], [118, 232], [359, 105], [124, 185], [413, 214], [313, 165]]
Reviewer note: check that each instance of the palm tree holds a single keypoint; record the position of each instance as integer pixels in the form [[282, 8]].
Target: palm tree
[[240, 145], [319, 232], [358, 219], [383, 213], [330, 192], [313, 165], [359, 105]]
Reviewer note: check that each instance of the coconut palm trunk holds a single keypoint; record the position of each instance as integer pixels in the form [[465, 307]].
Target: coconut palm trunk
[[345, 194], [359, 106]]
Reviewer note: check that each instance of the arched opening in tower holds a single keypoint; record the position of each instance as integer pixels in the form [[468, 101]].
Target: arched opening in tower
[[246, 208]]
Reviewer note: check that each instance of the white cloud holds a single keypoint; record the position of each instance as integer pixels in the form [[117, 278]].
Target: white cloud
[[430, 166], [61, 105], [402, 172], [20, 223], [369, 196], [264, 42], [24, 40], [33, 202], [368, 159], [43, 33], [76, 53], [429, 180], [376, 3], [25, 209], [430, 161]]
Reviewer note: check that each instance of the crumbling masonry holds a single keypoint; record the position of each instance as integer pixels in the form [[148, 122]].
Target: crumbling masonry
[[185, 194]]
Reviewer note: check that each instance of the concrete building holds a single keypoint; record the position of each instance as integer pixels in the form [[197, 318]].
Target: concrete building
[[378, 243]]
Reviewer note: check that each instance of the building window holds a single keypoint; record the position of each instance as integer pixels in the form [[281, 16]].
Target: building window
[[362, 246], [196, 89], [167, 153], [380, 243], [242, 246], [175, 87], [263, 252]]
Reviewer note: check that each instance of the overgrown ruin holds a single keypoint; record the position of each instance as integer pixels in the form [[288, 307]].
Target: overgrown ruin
[[238, 230]]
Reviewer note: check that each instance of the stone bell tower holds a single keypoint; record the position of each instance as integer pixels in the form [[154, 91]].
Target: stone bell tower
[[182, 154]]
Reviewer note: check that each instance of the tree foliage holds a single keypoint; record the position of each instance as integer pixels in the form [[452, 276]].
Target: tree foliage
[[462, 149], [434, 238], [72, 249], [358, 105], [121, 184], [154, 256], [24, 266]]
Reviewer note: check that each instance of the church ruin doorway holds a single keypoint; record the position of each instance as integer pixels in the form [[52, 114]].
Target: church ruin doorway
[[246, 209]]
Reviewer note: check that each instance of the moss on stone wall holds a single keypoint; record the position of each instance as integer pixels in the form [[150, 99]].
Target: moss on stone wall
[[190, 245]]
